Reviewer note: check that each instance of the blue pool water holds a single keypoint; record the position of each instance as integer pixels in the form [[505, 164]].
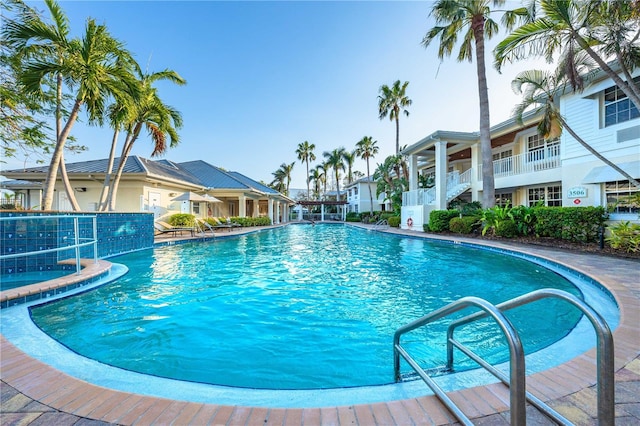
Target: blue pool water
[[297, 308]]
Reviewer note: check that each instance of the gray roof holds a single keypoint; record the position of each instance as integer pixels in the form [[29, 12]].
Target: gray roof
[[212, 176], [253, 183]]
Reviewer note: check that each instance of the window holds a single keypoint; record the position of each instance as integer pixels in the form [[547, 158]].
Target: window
[[551, 195], [502, 162], [622, 197], [617, 106], [539, 149], [196, 208], [504, 199]]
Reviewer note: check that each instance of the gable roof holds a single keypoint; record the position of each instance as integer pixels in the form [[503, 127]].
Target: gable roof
[[213, 177]]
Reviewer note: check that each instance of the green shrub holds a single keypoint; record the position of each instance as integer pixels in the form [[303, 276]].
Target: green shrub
[[353, 217], [252, 221], [506, 228], [386, 216], [625, 236], [439, 219], [494, 217], [182, 219], [464, 225], [394, 221], [577, 224]]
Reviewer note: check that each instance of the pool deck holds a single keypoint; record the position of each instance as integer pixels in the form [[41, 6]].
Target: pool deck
[[33, 393]]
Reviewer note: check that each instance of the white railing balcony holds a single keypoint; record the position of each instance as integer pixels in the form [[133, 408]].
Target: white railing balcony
[[456, 184], [529, 162]]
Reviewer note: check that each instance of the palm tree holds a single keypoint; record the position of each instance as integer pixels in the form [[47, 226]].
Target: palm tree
[[367, 148], [305, 154], [349, 158], [392, 101], [472, 19], [334, 160], [600, 29], [322, 170], [94, 67], [538, 89], [282, 177], [36, 39], [148, 111], [316, 176]]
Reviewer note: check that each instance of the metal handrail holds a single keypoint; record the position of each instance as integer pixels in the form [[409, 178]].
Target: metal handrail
[[77, 240], [380, 223], [516, 357], [604, 345]]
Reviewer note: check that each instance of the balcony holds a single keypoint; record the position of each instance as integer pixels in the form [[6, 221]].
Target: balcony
[[529, 162], [457, 183]]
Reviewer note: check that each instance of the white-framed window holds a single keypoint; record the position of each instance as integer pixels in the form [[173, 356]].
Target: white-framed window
[[551, 195], [503, 161], [622, 197], [617, 106], [504, 198], [196, 209], [539, 149]]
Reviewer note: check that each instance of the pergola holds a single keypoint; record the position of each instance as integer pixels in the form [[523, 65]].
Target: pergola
[[321, 204]]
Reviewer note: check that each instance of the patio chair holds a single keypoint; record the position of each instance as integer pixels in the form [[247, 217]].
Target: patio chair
[[227, 224], [164, 227]]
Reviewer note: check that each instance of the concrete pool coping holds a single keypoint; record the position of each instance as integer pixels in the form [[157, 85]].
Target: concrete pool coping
[[74, 397]]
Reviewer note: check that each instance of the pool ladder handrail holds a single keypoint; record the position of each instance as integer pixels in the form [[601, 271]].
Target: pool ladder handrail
[[516, 380], [381, 223]]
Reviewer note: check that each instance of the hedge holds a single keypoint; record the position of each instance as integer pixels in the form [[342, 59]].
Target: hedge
[[577, 224], [439, 219]]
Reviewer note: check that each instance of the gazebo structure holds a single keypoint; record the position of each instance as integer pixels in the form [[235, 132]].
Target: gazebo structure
[[340, 215]]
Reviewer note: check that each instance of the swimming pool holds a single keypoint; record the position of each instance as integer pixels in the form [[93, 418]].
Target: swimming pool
[[208, 312], [10, 281]]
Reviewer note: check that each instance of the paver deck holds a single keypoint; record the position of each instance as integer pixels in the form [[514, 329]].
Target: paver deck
[[33, 393]]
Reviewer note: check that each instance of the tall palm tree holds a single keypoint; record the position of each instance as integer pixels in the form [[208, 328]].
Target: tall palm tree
[[322, 169], [316, 176], [539, 89], [393, 101], [282, 177], [600, 29], [472, 19], [94, 67], [148, 110], [334, 160], [349, 158], [37, 39], [367, 148], [305, 154]]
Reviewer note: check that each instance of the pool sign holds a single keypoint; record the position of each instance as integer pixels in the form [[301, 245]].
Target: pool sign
[[577, 192]]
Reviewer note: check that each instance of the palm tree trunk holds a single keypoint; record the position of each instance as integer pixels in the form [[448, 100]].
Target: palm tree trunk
[[71, 196], [397, 134], [52, 173], [126, 149], [597, 154], [107, 177], [488, 183], [369, 185], [308, 192]]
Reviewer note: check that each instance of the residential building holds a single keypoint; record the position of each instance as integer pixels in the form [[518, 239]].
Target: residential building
[[158, 187], [529, 170], [359, 194]]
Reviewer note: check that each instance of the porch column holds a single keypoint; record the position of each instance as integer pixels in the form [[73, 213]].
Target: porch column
[[256, 208], [413, 172], [299, 212], [476, 160], [242, 206], [270, 208], [441, 175], [277, 212], [322, 212]]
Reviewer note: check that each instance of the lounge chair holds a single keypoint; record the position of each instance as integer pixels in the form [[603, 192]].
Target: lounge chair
[[164, 227], [203, 225], [227, 224]]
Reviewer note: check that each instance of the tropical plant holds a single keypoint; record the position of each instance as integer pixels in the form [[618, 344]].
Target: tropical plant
[[147, 110], [317, 176], [539, 89], [602, 30], [393, 101], [305, 154], [334, 160], [367, 148], [349, 158], [94, 67], [625, 236], [496, 218], [390, 183], [472, 19], [282, 178]]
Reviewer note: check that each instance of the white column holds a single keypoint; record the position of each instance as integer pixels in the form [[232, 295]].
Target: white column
[[322, 212], [277, 212], [242, 206], [476, 159], [413, 172], [441, 175], [271, 216], [300, 212]]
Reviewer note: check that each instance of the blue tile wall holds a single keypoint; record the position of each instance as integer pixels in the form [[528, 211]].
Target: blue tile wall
[[117, 233]]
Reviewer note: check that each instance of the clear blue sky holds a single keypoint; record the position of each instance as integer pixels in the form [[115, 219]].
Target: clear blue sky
[[264, 76]]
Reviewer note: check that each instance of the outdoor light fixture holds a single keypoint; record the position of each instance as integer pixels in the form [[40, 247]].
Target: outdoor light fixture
[[80, 189]]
